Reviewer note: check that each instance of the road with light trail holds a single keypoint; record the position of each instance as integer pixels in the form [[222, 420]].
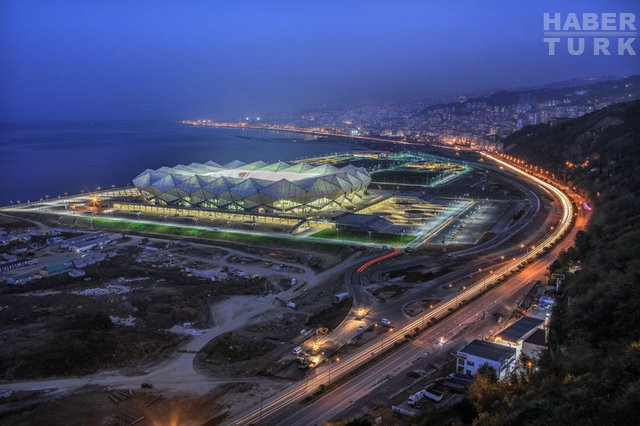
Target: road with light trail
[[368, 352]]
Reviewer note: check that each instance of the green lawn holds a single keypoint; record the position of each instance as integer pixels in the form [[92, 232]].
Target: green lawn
[[363, 237], [185, 231]]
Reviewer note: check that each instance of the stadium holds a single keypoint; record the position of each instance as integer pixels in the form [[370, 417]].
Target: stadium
[[257, 186]]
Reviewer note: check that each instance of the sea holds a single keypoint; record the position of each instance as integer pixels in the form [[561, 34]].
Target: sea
[[39, 160]]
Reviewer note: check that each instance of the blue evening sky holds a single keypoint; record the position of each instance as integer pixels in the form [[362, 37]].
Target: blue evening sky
[[66, 60]]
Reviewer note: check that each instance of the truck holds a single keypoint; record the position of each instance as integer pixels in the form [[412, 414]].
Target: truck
[[415, 399], [432, 393]]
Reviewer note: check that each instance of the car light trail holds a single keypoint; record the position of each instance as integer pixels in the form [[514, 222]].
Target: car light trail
[[367, 352], [378, 259]]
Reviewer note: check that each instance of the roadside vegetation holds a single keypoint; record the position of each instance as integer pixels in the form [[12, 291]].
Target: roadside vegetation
[[591, 374]]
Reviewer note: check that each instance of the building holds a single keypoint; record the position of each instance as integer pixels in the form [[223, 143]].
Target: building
[[478, 352], [18, 263], [48, 271], [516, 333], [89, 244], [23, 279], [533, 345], [82, 238], [257, 186]]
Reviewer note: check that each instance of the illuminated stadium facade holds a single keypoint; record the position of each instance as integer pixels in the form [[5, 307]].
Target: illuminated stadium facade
[[257, 186]]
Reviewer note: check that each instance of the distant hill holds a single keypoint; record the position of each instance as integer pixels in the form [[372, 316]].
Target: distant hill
[[580, 94], [575, 82], [609, 139]]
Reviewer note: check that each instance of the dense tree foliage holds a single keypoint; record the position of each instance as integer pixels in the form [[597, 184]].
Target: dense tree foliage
[[591, 374]]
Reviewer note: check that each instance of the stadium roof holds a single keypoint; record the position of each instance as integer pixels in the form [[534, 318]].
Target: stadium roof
[[238, 185]]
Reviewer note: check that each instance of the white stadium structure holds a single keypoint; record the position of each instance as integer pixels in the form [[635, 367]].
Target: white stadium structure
[[257, 186]]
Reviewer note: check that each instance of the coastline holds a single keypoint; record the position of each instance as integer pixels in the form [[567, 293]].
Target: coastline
[[304, 131]]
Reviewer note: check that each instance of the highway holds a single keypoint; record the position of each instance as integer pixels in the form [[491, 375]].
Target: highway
[[426, 345], [421, 349], [274, 406], [481, 259]]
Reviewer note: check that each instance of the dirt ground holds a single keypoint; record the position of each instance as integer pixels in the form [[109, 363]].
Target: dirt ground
[[48, 330], [43, 325], [261, 348], [94, 407], [67, 328]]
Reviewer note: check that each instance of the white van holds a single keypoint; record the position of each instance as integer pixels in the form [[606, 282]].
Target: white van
[[297, 350]]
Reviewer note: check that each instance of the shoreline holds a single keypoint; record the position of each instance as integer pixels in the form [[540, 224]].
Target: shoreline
[[309, 132]]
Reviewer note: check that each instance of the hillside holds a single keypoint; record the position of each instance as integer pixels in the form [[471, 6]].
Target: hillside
[[580, 94], [608, 138], [591, 375], [595, 332]]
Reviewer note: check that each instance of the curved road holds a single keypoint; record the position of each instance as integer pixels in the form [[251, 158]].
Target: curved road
[[275, 406]]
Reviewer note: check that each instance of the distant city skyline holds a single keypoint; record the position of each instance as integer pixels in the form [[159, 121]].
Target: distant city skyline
[[91, 61]]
